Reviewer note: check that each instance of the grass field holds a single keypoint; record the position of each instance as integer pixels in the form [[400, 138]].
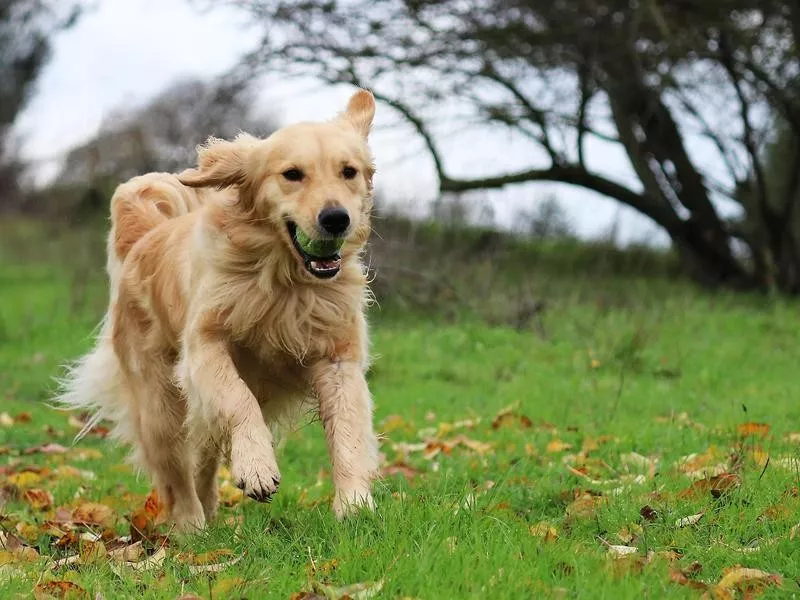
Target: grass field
[[640, 447]]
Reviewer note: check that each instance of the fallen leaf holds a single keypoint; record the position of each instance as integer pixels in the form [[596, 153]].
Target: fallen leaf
[[648, 513], [224, 587], [208, 562], [400, 468], [6, 420], [619, 550], [584, 506], [151, 562], [59, 589], [229, 494], [556, 445], [689, 521], [356, 591], [507, 417], [394, 423], [753, 429], [93, 513], [716, 486], [24, 479], [51, 448], [38, 499], [684, 577], [544, 530], [92, 552], [793, 438], [744, 579], [127, 553]]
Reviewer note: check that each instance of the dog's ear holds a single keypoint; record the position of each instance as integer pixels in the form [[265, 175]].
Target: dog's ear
[[220, 163], [360, 111]]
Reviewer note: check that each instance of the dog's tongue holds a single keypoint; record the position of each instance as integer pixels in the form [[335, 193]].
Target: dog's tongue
[[326, 264]]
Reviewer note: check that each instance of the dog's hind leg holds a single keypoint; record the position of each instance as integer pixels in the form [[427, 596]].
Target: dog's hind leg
[[165, 450], [206, 477]]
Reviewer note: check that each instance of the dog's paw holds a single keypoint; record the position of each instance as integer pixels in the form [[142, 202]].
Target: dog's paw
[[255, 472], [189, 519], [349, 502]]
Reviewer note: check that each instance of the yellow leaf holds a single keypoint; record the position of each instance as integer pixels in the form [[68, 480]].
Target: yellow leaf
[[544, 530], [394, 423], [224, 588], [25, 479], [557, 445], [229, 495], [743, 578], [6, 420]]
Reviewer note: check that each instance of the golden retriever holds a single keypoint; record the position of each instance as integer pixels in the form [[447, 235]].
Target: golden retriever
[[220, 320]]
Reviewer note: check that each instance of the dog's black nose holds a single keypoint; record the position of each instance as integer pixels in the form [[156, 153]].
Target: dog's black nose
[[334, 220]]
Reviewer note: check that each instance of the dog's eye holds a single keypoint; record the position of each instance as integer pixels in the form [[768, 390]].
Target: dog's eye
[[349, 172], [293, 175]]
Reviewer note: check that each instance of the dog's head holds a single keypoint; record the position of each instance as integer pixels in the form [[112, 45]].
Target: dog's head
[[311, 183]]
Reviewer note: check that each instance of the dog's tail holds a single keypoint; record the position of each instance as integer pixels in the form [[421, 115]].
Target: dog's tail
[[139, 206], [93, 384]]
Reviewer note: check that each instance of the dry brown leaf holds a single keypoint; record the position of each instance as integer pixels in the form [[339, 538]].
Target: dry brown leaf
[[684, 577], [753, 429], [707, 464], [584, 506], [745, 579], [128, 553], [51, 448], [92, 552], [93, 513], [59, 589], [400, 468], [507, 417], [38, 499], [717, 486], [151, 562], [648, 513]]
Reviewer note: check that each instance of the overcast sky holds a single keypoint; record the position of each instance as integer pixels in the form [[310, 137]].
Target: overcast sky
[[126, 51]]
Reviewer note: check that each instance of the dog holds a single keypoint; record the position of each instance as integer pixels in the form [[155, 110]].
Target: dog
[[221, 323]]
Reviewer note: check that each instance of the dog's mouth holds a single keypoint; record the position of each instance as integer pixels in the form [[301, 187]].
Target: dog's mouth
[[320, 257]]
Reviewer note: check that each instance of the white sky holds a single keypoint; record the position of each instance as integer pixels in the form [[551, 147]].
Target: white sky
[[126, 51]]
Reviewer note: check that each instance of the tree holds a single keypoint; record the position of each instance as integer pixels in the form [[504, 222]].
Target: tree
[[26, 28], [161, 135], [644, 75]]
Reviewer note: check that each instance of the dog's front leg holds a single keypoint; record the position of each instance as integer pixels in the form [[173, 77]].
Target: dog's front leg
[[221, 405], [345, 407]]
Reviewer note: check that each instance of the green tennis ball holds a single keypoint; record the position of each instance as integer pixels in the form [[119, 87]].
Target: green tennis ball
[[319, 248]]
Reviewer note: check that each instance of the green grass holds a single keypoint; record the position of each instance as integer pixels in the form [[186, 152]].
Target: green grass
[[461, 528]]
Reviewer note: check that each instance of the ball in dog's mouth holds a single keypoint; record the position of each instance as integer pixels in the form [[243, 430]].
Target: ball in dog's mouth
[[320, 255]]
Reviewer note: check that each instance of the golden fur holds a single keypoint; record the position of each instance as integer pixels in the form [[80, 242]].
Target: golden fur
[[215, 327]]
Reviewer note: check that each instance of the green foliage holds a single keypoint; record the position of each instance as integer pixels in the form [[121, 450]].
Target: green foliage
[[664, 371]]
